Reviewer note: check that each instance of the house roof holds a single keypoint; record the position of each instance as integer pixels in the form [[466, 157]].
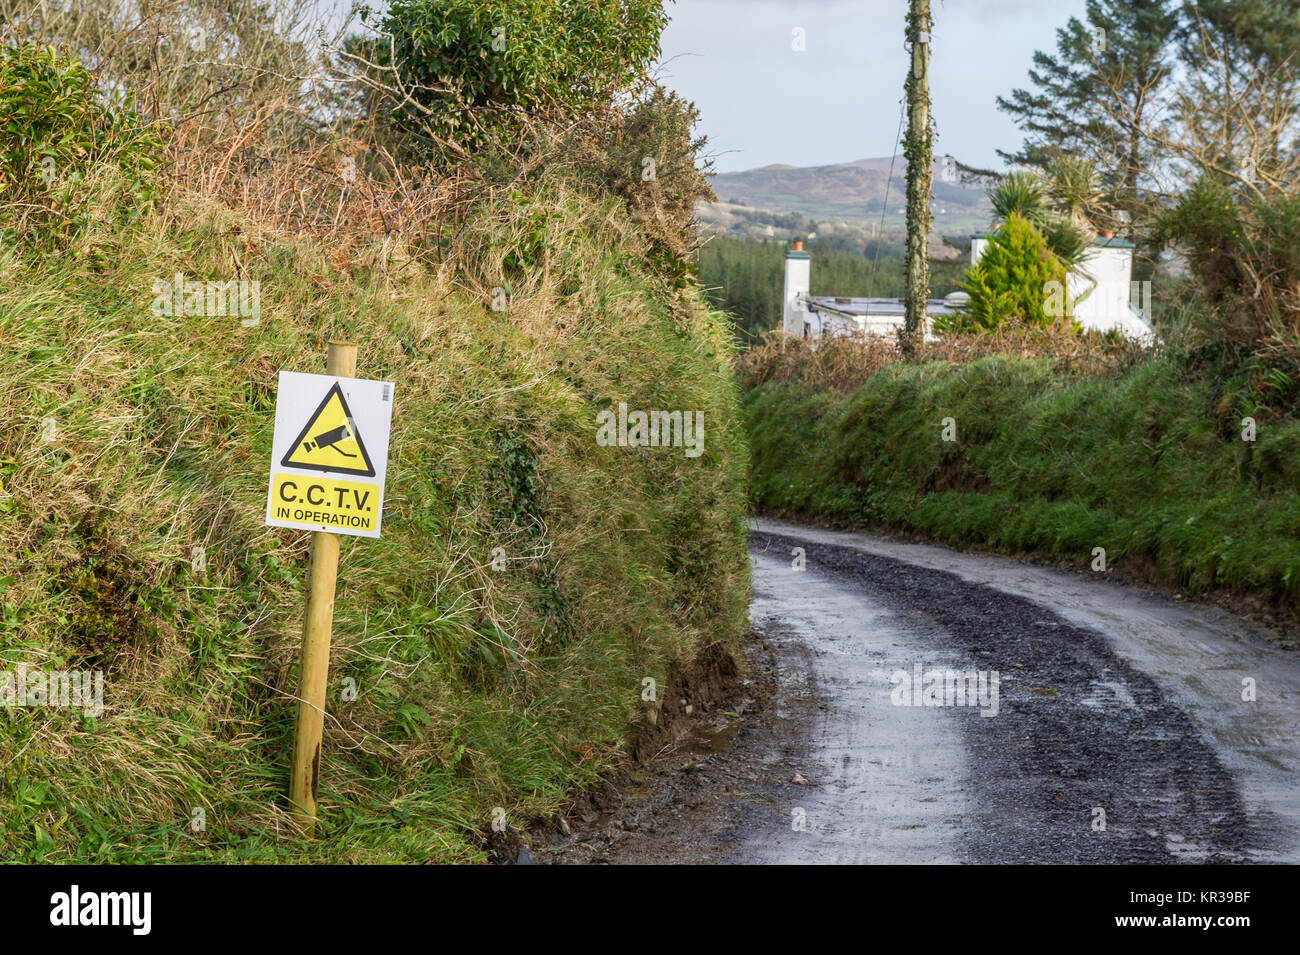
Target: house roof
[[1115, 242], [862, 307]]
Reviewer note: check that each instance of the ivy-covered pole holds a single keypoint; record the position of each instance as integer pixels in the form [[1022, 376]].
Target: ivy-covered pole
[[917, 151]]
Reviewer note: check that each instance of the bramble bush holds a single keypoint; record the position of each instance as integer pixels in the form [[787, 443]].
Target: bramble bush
[[1243, 248], [652, 160]]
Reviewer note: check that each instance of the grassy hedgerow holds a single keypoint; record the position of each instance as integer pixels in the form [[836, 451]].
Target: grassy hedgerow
[[132, 438], [1146, 461]]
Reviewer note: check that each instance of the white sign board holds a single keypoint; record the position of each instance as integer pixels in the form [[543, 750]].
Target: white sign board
[[329, 456]]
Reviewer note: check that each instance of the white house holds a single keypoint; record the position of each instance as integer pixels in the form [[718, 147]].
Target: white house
[[1110, 299], [814, 316], [1107, 270]]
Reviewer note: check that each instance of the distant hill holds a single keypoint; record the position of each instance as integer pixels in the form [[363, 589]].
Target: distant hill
[[846, 198]]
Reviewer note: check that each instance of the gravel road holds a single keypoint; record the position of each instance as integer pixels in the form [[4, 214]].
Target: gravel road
[[923, 705]]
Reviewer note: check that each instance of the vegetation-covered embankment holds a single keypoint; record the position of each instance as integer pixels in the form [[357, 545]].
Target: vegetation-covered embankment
[[1145, 459], [134, 438]]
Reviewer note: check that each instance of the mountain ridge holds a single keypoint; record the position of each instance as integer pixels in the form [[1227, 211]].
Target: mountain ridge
[[854, 189], [859, 199]]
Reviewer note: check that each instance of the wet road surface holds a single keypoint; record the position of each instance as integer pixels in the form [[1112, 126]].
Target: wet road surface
[[1120, 732], [1116, 730]]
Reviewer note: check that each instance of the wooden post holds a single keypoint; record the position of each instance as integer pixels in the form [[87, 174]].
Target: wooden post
[[341, 361]]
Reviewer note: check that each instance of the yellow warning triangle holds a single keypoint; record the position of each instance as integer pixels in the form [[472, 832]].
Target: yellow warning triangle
[[329, 441]]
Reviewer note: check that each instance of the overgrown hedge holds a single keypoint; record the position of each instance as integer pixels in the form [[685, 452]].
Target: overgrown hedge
[[134, 438], [1148, 463]]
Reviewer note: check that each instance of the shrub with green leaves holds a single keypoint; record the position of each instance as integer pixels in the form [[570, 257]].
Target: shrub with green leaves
[[56, 129], [480, 69], [1244, 250], [1009, 284]]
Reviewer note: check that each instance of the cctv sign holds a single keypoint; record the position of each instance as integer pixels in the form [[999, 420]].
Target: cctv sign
[[329, 456]]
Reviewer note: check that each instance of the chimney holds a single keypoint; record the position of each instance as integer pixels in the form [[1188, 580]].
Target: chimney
[[798, 268]]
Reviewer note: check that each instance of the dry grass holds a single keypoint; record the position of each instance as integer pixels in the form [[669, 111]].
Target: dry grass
[[843, 363]]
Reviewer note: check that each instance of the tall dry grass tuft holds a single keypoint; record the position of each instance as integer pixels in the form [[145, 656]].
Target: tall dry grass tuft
[[836, 364], [260, 107], [359, 200]]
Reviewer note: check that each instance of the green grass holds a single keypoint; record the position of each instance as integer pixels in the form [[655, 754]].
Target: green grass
[[1146, 463], [475, 688]]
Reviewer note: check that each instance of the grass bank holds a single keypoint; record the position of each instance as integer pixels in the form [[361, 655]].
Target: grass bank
[[135, 444], [1146, 461]]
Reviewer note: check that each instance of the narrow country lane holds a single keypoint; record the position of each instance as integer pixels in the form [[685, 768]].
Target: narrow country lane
[[885, 783], [1117, 732], [1109, 699]]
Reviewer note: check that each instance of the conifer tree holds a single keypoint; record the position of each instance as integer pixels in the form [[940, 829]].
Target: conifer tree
[[1096, 96]]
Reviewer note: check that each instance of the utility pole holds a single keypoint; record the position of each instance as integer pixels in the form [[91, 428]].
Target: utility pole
[[918, 151]]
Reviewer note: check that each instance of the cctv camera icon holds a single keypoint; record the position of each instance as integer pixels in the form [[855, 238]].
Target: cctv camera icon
[[330, 439]]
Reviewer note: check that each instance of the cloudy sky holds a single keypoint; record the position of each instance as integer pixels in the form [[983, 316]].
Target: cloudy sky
[[762, 102]]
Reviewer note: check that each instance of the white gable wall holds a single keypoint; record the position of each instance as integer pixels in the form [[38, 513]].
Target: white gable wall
[[1108, 305]]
